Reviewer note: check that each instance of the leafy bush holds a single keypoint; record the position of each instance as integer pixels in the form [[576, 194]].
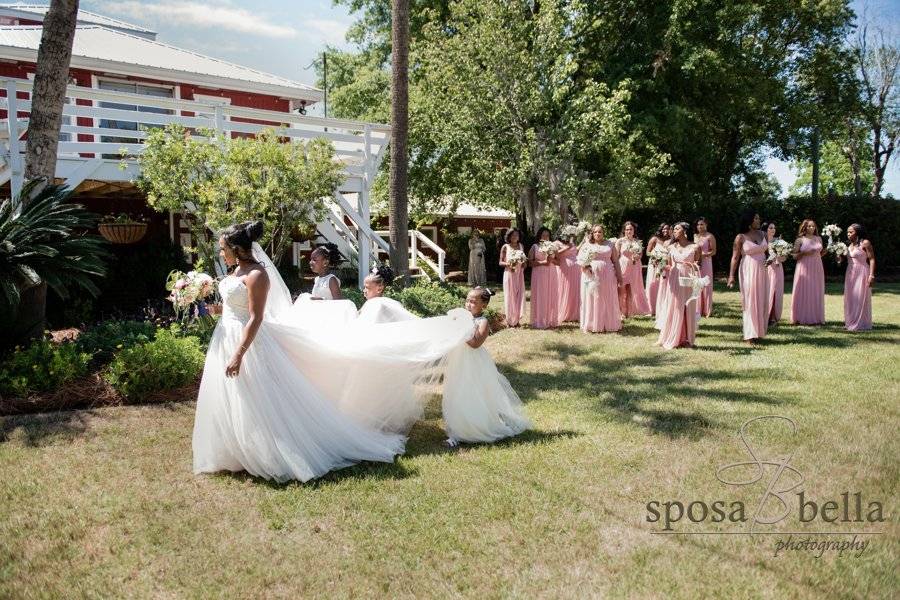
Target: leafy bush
[[103, 340], [41, 367], [355, 295], [428, 299], [169, 361]]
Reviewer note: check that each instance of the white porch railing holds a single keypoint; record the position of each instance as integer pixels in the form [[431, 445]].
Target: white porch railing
[[100, 124], [417, 240]]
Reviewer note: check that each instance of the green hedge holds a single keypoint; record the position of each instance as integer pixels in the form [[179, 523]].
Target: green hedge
[[169, 361], [41, 367]]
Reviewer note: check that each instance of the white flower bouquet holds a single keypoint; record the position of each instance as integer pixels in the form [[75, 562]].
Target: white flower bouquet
[[587, 255], [838, 249], [548, 248], [569, 231], [633, 246], [188, 288], [780, 248], [831, 231], [515, 258], [658, 258]]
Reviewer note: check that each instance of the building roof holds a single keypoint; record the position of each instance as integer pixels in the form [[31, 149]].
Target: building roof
[[106, 50], [469, 211], [37, 12]]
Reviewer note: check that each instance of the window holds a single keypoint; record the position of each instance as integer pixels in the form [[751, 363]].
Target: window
[[464, 230], [430, 232], [132, 88]]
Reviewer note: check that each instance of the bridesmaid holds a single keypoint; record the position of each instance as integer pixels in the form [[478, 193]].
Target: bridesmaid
[[601, 302], [513, 279], [707, 243], [808, 296], [544, 285], [775, 270], [569, 274], [632, 297], [660, 237], [750, 249], [858, 280], [663, 293], [679, 313]]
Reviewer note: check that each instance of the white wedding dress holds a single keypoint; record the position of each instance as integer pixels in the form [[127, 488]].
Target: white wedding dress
[[479, 404], [270, 420], [313, 394]]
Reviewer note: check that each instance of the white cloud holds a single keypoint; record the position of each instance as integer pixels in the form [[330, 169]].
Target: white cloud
[[328, 31], [198, 14]]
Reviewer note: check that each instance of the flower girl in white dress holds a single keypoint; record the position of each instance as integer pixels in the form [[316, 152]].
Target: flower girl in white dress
[[479, 404], [377, 308], [256, 410], [326, 286]]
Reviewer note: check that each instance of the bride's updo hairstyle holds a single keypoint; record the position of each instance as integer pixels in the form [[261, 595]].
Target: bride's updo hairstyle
[[240, 237]]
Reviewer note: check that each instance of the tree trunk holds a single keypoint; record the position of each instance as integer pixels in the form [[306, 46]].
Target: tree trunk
[[399, 209], [815, 163], [530, 206], [50, 79]]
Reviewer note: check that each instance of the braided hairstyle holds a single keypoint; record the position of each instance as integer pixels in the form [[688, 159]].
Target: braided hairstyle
[[381, 275], [330, 252]]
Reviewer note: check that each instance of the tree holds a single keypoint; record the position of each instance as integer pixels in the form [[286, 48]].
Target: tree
[[399, 209], [50, 80], [239, 179], [837, 172], [878, 64]]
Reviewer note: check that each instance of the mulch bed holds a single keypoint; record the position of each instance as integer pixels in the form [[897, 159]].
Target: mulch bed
[[89, 392]]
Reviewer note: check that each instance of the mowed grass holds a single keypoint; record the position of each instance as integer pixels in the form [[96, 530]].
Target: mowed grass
[[103, 503]]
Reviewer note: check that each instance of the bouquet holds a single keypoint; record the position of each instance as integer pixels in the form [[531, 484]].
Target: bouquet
[[587, 255], [548, 248], [515, 258], [658, 258], [569, 231], [633, 246], [189, 288], [779, 249], [838, 249], [832, 232]]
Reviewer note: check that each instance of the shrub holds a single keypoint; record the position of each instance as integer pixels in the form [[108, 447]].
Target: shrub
[[103, 340], [169, 361], [428, 299], [41, 367], [355, 295]]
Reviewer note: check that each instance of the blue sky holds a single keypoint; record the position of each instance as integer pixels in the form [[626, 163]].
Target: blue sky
[[284, 36]]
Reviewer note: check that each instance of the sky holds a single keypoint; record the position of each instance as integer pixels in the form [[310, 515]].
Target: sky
[[284, 37]]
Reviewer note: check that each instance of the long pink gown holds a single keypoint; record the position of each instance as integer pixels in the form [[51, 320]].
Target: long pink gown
[[652, 285], [569, 284], [601, 297], [513, 291], [808, 296], [544, 293], [775, 271], [706, 268], [679, 322], [857, 293], [636, 299], [662, 295], [754, 284]]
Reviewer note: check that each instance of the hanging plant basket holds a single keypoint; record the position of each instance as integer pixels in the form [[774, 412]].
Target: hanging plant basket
[[123, 233]]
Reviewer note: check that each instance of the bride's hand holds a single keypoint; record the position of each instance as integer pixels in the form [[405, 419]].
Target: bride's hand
[[233, 368]]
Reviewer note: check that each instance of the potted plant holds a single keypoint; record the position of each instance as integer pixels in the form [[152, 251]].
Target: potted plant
[[122, 228]]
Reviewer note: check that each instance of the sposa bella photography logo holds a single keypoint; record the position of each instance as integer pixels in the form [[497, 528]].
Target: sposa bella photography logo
[[782, 500]]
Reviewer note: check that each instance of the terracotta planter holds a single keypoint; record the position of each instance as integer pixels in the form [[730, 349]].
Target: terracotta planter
[[123, 233]]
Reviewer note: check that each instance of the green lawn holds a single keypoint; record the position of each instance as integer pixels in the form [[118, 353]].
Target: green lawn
[[103, 503]]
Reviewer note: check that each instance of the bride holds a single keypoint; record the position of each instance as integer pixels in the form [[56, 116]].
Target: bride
[[282, 400]]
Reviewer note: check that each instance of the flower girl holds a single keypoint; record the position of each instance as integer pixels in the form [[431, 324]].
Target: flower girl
[[326, 285], [377, 308], [479, 405]]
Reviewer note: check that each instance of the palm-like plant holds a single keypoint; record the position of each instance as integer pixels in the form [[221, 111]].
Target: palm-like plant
[[46, 241]]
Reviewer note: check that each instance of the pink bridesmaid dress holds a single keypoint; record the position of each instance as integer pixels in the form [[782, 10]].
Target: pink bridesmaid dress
[[753, 280], [808, 296], [679, 312], [857, 293], [601, 296], [706, 268], [544, 293], [569, 285], [513, 291], [636, 300], [776, 290], [652, 284]]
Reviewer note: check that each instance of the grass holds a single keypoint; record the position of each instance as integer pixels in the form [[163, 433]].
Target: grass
[[102, 503]]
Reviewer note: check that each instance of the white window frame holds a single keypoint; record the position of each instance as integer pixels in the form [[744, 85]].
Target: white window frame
[[430, 231], [464, 230]]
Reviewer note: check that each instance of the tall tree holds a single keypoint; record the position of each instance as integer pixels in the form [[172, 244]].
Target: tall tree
[[399, 207], [50, 80], [878, 63]]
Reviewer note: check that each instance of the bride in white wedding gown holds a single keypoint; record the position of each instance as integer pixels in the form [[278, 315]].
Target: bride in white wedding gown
[[268, 403]]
